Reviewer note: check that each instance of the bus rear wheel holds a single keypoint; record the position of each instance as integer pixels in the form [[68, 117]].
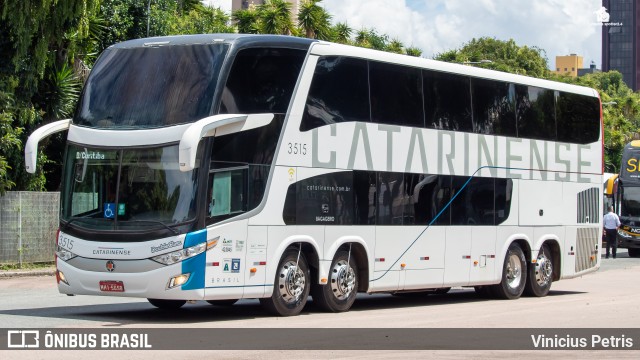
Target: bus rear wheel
[[167, 304], [540, 274], [291, 285], [514, 274], [340, 293]]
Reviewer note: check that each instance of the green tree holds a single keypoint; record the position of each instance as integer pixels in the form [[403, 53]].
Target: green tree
[[246, 21], [9, 138], [275, 18], [39, 38], [502, 55], [413, 51], [342, 33], [395, 46], [314, 21]]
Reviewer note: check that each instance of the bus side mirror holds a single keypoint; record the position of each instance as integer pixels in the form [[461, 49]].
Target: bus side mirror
[[216, 125], [31, 148]]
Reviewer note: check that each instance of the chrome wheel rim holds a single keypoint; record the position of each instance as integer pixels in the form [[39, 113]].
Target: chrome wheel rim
[[544, 270], [514, 271], [343, 280], [291, 282]]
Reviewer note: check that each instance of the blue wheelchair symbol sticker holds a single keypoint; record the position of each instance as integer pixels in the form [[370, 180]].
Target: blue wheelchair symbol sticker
[[108, 210]]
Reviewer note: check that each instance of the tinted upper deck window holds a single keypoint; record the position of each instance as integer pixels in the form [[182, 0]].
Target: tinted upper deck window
[[493, 107], [396, 94], [447, 101], [535, 110], [339, 93], [578, 118], [261, 80]]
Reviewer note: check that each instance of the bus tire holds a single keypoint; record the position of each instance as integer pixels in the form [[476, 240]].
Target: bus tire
[[540, 274], [290, 287], [514, 274], [340, 293], [167, 304], [634, 253], [222, 302]]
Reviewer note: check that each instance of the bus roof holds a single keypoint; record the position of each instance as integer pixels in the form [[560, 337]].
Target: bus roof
[[242, 40]]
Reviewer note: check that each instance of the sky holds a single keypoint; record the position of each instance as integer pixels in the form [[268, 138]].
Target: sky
[[560, 27]]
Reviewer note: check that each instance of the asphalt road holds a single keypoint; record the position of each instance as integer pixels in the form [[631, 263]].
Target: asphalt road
[[606, 299]]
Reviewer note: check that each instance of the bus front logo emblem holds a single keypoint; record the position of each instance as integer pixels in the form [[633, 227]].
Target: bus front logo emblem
[[110, 266]]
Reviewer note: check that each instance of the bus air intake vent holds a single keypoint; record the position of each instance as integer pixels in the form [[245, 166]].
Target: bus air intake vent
[[589, 206], [586, 247]]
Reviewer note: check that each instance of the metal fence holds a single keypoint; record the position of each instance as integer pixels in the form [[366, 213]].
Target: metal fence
[[28, 225]]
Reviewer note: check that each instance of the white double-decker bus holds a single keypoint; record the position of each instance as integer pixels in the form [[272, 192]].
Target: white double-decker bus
[[224, 167]]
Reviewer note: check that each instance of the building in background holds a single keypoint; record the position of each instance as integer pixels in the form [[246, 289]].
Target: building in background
[[572, 65], [621, 40], [568, 64], [590, 70]]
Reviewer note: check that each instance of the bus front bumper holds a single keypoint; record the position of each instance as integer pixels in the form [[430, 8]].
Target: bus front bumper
[[153, 284]]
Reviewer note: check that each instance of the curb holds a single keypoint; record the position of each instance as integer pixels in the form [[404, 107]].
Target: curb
[[12, 274]]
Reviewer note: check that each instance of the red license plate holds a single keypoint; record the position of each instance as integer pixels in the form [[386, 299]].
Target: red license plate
[[112, 286]]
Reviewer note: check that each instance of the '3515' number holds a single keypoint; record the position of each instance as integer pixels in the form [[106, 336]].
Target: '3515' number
[[297, 149]]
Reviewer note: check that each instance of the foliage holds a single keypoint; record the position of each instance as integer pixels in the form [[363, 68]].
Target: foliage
[[500, 55], [314, 21], [9, 138]]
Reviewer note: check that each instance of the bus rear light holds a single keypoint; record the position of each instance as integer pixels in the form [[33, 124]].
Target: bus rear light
[[60, 277], [177, 280]]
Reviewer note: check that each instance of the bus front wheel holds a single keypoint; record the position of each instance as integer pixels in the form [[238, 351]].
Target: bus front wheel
[[540, 274], [167, 304], [514, 274], [291, 285], [340, 293]]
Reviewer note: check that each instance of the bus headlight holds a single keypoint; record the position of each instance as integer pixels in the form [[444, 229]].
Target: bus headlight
[[64, 254], [180, 255]]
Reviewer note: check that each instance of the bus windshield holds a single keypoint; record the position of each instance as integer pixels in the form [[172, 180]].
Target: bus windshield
[[131, 189], [630, 202], [129, 88]]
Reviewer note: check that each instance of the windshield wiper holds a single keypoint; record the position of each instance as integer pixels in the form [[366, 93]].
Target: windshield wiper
[[74, 218], [154, 222]]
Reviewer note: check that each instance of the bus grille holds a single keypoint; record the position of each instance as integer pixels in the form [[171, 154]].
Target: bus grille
[[589, 206], [586, 247]]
